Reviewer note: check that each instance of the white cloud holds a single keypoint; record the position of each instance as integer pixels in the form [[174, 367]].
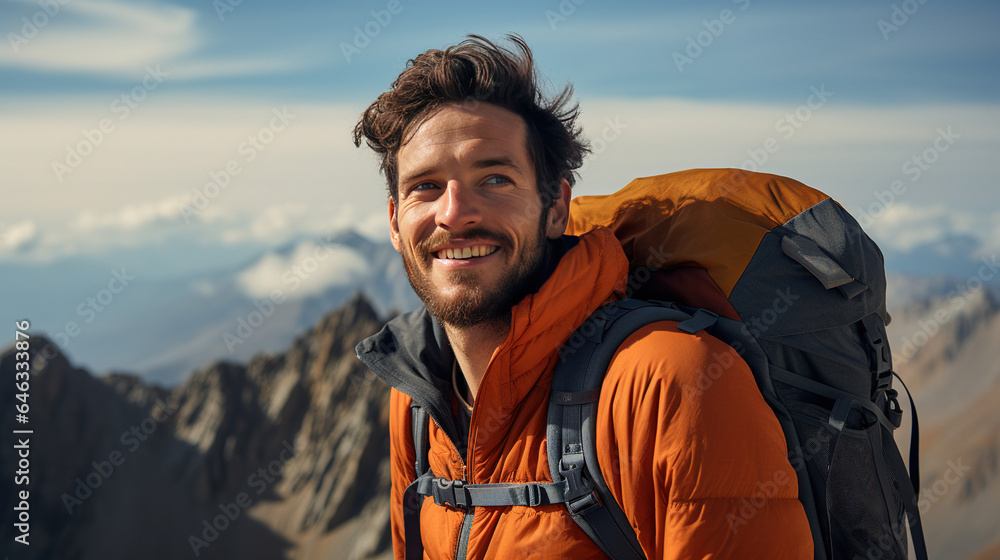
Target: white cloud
[[309, 270], [116, 38], [133, 216], [311, 180], [905, 227], [19, 236], [107, 37]]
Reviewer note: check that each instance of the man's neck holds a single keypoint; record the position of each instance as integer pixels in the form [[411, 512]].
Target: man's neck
[[473, 347]]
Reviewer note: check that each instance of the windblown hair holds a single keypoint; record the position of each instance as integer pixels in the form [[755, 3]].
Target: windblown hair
[[472, 72]]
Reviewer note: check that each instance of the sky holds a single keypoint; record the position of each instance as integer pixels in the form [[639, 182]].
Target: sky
[[185, 136]]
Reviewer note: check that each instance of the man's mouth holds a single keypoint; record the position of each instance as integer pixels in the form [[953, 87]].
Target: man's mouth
[[466, 252]]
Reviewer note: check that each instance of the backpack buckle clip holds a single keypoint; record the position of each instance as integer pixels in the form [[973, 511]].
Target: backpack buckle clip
[[450, 493], [571, 469]]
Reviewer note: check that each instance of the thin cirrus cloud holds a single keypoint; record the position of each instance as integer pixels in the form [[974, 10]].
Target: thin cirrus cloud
[[104, 37], [113, 39]]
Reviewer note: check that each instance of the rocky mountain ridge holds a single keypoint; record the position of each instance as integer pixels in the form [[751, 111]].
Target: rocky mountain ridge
[[285, 457]]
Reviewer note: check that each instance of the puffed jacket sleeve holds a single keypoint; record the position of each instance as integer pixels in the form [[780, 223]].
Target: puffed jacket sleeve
[[694, 455]]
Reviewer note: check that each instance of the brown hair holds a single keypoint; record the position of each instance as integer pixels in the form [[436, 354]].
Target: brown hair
[[473, 71]]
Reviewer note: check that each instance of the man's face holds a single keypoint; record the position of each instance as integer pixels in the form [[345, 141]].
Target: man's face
[[469, 222]]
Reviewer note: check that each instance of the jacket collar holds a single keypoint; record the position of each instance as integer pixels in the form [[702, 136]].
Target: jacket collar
[[412, 354]]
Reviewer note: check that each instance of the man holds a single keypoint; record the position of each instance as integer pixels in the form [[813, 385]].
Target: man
[[479, 167]]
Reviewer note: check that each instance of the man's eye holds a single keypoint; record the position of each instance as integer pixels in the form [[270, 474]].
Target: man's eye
[[423, 187], [498, 180]]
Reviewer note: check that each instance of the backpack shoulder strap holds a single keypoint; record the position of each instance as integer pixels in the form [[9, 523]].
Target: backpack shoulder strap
[[412, 500], [571, 435]]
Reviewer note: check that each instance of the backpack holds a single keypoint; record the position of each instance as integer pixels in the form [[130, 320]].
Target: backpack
[[788, 279]]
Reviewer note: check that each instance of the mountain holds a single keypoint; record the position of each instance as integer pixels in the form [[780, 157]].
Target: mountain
[[162, 327], [944, 346], [285, 457]]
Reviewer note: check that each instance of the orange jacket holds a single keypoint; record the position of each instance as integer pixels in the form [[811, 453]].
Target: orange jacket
[[686, 443]]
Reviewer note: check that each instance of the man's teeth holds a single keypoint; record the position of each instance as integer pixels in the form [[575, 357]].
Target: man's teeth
[[467, 252]]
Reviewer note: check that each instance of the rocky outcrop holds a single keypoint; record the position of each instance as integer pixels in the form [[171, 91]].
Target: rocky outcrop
[[284, 457]]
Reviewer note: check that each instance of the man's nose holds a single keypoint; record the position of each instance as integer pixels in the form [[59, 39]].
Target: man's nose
[[460, 207]]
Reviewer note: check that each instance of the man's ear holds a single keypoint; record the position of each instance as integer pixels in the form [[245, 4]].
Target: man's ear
[[558, 216], [393, 225]]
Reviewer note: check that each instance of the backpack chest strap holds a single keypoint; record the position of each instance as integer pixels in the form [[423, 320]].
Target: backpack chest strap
[[461, 495]]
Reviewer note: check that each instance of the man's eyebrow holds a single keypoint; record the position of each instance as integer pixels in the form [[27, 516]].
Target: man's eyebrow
[[414, 176], [499, 161]]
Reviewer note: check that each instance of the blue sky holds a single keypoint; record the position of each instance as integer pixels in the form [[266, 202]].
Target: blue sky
[[180, 86]]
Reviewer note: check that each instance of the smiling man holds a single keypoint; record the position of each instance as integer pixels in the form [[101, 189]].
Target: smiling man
[[479, 167]]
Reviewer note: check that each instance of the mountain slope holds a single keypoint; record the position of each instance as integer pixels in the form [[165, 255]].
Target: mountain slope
[[945, 349], [286, 457]]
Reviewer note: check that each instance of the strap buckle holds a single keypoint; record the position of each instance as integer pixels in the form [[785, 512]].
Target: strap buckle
[[878, 356], [580, 497], [571, 468], [450, 493], [893, 411]]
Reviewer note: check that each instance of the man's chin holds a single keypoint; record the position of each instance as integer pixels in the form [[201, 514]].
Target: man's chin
[[468, 308]]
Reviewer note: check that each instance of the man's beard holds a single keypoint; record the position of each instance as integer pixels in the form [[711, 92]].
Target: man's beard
[[479, 305]]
